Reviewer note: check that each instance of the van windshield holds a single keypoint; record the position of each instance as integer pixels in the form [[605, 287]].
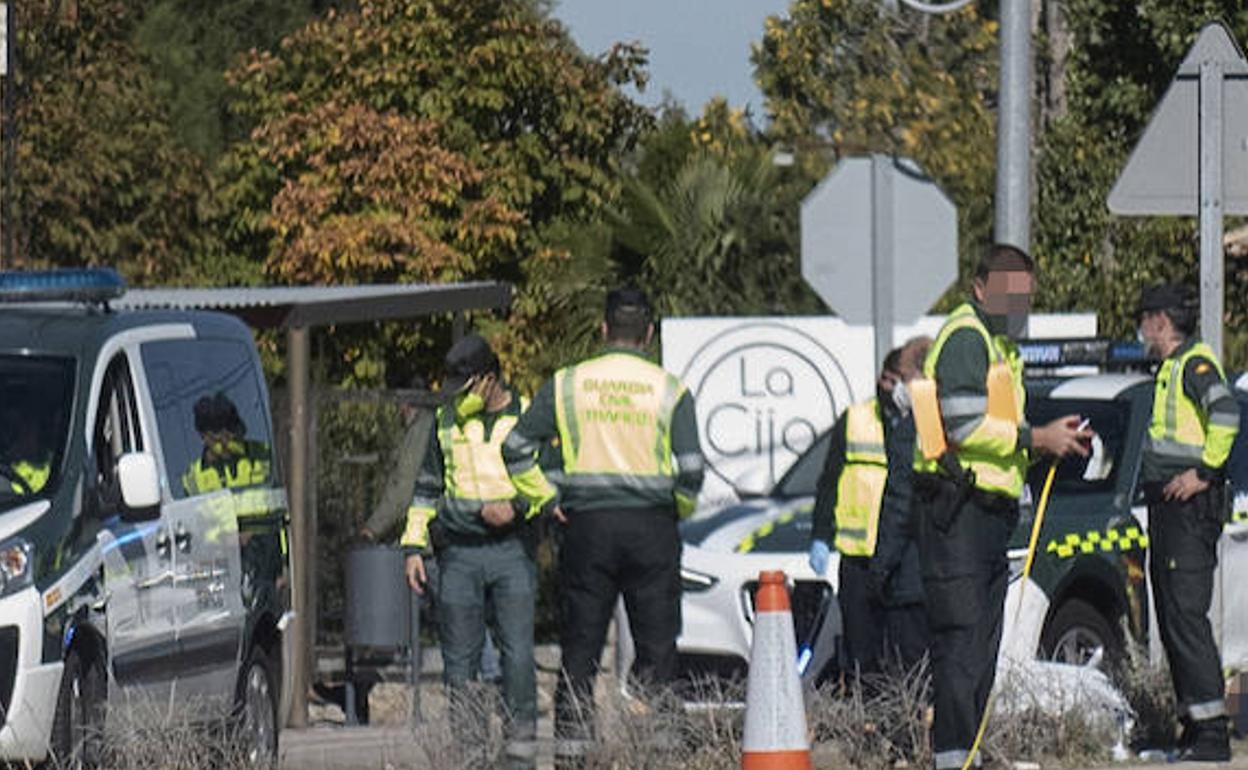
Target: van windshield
[[36, 396]]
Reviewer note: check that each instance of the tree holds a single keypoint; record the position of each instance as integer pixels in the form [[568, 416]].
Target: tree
[[100, 178], [192, 43], [846, 77], [439, 139], [1122, 58]]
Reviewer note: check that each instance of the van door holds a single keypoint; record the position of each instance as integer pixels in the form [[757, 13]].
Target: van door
[[205, 394], [138, 556]]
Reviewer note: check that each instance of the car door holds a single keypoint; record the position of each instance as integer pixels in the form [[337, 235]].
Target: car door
[[208, 585], [138, 557]]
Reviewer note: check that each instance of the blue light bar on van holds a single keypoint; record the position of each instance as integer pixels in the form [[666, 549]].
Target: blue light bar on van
[[1107, 354], [91, 284]]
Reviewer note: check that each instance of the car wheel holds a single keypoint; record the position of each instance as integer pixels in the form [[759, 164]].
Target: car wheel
[[256, 711], [78, 726], [1078, 634]]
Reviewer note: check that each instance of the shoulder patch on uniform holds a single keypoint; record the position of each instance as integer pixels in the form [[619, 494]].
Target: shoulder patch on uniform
[[1203, 367]]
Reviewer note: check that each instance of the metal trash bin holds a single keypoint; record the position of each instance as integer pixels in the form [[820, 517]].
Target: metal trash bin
[[382, 618]]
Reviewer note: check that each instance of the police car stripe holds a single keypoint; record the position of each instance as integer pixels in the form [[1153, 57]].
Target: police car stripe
[[1104, 541]]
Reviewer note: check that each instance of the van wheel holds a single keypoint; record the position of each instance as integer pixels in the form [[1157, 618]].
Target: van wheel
[[1077, 634], [78, 726], [256, 711]]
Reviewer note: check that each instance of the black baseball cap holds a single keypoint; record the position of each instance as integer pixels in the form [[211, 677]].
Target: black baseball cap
[[1165, 296], [628, 302], [468, 358]]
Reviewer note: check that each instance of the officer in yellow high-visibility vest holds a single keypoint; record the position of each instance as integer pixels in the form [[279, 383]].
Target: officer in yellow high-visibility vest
[[847, 514], [466, 507], [228, 460], [970, 463], [25, 468], [631, 466], [1195, 421]]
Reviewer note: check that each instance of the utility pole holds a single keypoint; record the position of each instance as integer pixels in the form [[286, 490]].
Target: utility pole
[[1013, 194]]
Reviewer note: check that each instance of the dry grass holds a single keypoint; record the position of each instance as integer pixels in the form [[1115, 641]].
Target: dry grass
[[879, 723]]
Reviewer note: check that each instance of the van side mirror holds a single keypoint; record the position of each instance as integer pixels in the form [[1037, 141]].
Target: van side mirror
[[140, 486]]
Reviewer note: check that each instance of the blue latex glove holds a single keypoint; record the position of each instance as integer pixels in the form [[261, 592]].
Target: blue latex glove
[[819, 553]]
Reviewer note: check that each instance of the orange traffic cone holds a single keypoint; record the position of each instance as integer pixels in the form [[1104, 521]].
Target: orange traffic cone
[[775, 717]]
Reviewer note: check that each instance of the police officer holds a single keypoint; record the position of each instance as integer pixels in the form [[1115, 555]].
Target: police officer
[[25, 468], [466, 506], [631, 465], [228, 460], [1195, 421], [893, 574], [847, 515], [969, 473]]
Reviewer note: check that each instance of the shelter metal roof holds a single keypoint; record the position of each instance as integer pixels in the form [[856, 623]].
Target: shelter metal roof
[[302, 306]]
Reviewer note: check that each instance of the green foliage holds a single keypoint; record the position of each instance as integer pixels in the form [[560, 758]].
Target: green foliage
[[845, 77], [1123, 57], [100, 178], [191, 43], [431, 140]]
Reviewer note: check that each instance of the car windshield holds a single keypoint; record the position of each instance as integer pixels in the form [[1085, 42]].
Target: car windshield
[[36, 394], [803, 477], [1098, 472]]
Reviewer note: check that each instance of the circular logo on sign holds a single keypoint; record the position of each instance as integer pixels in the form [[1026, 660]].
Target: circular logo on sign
[[764, 392]]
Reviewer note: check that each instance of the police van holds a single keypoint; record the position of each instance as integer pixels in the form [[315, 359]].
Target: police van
[[142, 520]]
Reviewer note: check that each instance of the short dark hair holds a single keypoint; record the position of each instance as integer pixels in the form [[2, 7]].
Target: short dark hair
[[892, 361], [628, 315], [1003, 256]]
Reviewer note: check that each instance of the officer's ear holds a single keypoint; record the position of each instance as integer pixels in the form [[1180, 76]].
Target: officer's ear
[[979, 288]]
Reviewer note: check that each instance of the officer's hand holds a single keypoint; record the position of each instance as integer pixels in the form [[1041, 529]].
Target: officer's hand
[[819, 553], [498, 513], [366, 535], [415, 568], [559, 515], [1062, 437], [1184, 486]]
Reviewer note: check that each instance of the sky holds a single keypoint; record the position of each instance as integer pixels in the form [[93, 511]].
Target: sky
[[698, 48]]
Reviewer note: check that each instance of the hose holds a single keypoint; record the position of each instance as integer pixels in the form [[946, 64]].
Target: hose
[[1031, 556]]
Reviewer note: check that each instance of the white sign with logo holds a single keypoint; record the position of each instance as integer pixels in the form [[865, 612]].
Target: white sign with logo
[[767, 387]]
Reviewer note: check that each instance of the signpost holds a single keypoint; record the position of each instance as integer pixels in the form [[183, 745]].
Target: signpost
[[1193, 159], [879, 243]]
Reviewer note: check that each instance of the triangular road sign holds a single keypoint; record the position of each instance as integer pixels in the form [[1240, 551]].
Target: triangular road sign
[[1162, 176]]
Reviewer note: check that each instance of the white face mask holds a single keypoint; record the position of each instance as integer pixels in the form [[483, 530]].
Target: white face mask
[[901, 397]]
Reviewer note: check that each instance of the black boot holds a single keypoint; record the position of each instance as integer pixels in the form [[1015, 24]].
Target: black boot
[[1187, 733], [1211, 743]]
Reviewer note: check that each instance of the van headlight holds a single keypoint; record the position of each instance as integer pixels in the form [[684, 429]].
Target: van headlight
[[692, 581], [16, 556]]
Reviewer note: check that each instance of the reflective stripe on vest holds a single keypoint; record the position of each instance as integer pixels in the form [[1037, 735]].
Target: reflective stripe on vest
[[1179, 431], [474, 470], [1002, 474], [861, 485], [614, 415]]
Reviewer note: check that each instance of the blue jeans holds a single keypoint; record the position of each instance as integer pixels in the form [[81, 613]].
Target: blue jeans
[[495, 582]]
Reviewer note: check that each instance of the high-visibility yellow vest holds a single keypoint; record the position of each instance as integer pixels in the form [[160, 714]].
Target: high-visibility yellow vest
[[251, 467], [991, 452], [614, 414], [35, 475], [860, 488], [472, 462], [1179, 431]]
